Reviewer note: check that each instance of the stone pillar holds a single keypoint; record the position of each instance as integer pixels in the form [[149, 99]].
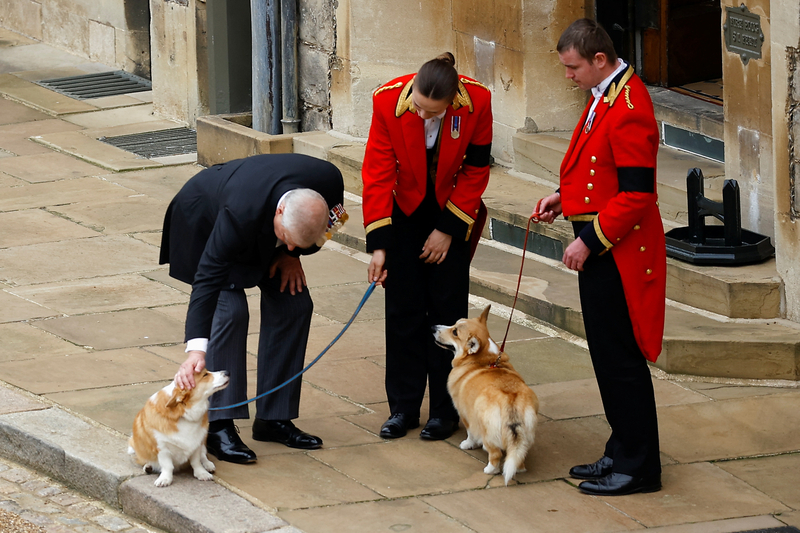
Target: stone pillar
[[785, 113], [747, 96], [179, 59]]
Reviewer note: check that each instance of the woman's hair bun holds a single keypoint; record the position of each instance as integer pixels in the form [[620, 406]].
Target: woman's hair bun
[[447, 57]]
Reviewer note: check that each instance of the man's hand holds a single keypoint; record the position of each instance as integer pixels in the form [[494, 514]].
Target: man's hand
[[435, 248], [195, 362], [376, 271], [291, 272], [575, 255], [549, 208]]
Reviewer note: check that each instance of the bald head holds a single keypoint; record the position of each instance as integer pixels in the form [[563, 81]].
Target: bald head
[[305, 217]]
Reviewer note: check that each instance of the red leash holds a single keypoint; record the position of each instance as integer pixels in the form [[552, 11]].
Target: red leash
[[533, 218]]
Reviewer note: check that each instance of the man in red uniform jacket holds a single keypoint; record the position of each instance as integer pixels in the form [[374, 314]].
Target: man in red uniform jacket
[[608, 192]]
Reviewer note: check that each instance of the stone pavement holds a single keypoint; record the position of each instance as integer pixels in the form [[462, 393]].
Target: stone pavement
[[91, 325]]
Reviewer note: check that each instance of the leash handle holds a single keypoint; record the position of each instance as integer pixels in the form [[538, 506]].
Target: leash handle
[[364, 299], [535, 219]]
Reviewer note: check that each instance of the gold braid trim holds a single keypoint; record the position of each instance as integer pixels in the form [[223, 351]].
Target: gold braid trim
[[379, 90], [379, 224], [615, 89], [404, 103], [628, 96], [462, 215], [600, 235]]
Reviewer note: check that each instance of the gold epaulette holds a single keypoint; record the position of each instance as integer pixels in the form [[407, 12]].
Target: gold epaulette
[[404, 103], [473, 82], [379, 90], [615, 89], [462, 96]]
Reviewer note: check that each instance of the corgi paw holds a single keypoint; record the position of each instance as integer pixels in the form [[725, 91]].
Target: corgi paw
[[468, 444], [202, 475], [491, 469], [208, 465], [164, 480]]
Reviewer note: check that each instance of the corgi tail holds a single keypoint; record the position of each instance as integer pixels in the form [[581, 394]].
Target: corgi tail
[[520, 435]]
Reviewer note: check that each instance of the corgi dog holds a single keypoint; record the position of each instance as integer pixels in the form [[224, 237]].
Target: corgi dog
[[498, 409], [171, 428]]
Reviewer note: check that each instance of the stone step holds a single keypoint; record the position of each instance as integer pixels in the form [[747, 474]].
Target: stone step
[[540, 154]]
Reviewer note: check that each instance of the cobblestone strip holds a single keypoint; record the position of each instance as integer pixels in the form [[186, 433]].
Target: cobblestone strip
[[31, 503]]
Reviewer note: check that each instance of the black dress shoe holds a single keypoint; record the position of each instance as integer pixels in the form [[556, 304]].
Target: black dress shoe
[[224, 444], [398, 425], [616, 484], [438, 429], [285, 432], [596, 470]]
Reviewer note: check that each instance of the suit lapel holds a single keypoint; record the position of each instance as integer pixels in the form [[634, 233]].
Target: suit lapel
[[413, 131]]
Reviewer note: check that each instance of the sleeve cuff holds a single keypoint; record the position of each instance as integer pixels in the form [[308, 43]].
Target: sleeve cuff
[[379, 238], [198, 344], [455, 223], [593, 237]]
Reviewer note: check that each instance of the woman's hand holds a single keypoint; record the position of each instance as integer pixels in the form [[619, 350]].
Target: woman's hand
[[291, 272], [376, 271], [195, 362], [435, 248]]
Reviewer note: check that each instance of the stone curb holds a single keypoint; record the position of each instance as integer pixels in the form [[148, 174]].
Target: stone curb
[[94, 461]]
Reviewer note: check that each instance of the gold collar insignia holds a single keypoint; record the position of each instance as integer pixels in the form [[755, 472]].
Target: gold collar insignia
[[462, 99], [615, 89]]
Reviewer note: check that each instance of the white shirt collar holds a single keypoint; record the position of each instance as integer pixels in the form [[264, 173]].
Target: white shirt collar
[[600, 89]]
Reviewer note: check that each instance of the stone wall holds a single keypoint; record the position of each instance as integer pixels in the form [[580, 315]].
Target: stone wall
[[747, 97], [113, 32], [784, 43], [508, 45], [316, 49]]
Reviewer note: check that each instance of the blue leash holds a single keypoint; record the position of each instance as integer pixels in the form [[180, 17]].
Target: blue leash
[[366, 296]]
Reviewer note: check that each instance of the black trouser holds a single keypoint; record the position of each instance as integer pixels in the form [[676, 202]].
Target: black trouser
[[419, 296], [621, 369]]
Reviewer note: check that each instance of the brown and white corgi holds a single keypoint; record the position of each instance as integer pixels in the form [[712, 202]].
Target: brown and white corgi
[[498, 409], [171, 428]]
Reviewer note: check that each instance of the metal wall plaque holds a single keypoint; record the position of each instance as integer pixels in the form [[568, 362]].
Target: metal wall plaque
[[743, 34]]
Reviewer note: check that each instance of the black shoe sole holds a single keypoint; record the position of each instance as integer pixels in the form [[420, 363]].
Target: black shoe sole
[[232, 459], [643, 490]]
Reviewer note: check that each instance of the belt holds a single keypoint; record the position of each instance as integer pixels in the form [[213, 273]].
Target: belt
[[582, 218]]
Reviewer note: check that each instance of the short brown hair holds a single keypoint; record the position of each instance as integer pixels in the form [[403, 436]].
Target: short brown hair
[[437, 79], [588, 38]]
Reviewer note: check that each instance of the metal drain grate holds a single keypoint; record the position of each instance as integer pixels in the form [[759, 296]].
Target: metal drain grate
[[152, 144], [97, 85]]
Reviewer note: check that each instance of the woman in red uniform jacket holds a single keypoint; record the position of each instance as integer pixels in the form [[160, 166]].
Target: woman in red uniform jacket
[[425, 168]]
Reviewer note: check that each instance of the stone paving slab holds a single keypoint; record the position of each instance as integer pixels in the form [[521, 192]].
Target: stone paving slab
[[14, 112], [89, 370], [134, 214], [24, 342], [35, 226], [40, 98], [776, 476], [62, 192], [14, 309], [17, 138], [99, 295], [14, 402], [159, 183], [24, 265], [47, 167], [125, 110]]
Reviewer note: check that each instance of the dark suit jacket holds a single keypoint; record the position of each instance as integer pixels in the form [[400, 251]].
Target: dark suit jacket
[[218, 230]]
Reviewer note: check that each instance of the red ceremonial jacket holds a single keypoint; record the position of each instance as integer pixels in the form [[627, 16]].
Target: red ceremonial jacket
[[395, 164], [609, 170]]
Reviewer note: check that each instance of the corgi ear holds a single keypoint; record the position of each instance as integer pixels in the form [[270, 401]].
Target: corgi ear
[[473, 345], [485, 314], [178, 396]]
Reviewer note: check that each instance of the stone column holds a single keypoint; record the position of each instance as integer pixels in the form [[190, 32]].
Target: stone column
[[179, 62], [785, 112]]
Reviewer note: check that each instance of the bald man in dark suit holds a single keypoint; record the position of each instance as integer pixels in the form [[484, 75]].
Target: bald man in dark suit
[[240, 225]]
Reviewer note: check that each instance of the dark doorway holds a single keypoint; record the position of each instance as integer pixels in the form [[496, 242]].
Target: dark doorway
[[672, 43]]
